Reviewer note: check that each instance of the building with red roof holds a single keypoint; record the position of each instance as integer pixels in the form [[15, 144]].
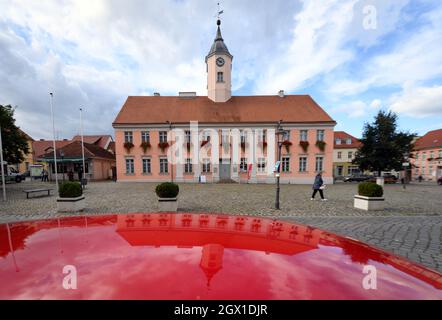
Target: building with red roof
[[235, 138], [98, 161], [426, 160], [345, 148]]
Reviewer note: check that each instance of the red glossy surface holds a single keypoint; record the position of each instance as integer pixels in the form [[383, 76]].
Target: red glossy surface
[[198, 256]]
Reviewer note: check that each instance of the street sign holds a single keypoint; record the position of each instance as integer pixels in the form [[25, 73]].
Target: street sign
[[406, 164], [278, 163]]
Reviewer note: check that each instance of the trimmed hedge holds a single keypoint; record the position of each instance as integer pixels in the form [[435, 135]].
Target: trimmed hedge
[[70, 189], [167, 190], [370, 189]]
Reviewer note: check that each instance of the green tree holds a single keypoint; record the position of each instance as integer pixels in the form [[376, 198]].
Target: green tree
[[15, 144], [383, 148]]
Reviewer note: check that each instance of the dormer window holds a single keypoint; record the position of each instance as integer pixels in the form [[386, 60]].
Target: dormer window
[[338, 141], [348, 141], [220, 77]]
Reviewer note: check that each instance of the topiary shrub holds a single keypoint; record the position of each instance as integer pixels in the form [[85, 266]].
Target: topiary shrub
[[370, 189], [167, 190], [70, 189]]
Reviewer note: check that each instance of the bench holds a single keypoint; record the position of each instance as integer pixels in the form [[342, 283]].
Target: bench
[[36, 191]]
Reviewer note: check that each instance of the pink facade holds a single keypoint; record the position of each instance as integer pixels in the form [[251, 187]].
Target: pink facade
[[427, 163], [298, 170]]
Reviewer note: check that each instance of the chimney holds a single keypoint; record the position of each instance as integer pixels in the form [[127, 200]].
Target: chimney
[[281, 93], [156, 94], [42, 139], [187, 95]]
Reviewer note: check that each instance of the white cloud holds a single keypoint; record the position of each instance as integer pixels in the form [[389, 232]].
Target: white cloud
[[419, 102], [376, 104], [413, 60], [353, 109]]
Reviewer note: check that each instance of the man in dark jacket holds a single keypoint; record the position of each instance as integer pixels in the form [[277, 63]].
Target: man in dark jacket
[[318, 186]]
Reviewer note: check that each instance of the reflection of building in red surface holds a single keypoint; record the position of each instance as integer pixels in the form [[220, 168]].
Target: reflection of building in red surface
[[229, 231], [211, 260], [214, 233]]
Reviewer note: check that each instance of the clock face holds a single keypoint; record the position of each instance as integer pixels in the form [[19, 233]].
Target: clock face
[[220, 62]]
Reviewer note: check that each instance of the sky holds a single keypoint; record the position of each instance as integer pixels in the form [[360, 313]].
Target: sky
[[353, 57]]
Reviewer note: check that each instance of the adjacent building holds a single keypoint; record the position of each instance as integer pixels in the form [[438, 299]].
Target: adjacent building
[[99, 163], [345, 148], [426, 160], [29, 157], [234, 140]]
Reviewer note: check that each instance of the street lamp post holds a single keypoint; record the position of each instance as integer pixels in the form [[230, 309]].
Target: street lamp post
[[280, 138], [2, 166], [54, 145], [82, 150], [62, 162]]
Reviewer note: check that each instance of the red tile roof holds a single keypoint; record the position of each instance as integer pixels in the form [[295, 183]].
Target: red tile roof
[[99, 140], [432, 139], [355, 143], [73, 150], [245, 109], [41, 147]]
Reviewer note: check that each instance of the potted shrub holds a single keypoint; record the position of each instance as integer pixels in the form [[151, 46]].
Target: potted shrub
[[145, 145], [70, 197], [304, 145], [321, 145], [369, 197], [167, 193], [128, 145]]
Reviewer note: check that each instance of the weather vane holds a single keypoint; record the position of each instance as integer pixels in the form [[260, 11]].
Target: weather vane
[[220, 12]]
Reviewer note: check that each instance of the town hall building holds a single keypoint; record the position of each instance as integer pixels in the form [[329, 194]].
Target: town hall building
[[235, 138]]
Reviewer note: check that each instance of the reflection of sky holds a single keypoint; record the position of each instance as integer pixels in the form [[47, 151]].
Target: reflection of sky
[[108, 267]]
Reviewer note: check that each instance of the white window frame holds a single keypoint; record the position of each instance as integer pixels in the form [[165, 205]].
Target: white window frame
[[188, 168], [128, 136], [162, 136], [206, 165], [320, 135], [319, 164], [303, 162], [243, 165], [303, 135], [145, 136], [261, 165], [149, 165], [130, 165], [164, 165], [285, 164]]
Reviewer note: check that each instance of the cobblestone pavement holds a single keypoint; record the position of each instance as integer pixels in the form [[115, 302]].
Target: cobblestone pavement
[[410, 226], [418, 238]]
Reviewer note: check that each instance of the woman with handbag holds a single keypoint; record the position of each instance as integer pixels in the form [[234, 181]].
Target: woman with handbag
[[318, 185]]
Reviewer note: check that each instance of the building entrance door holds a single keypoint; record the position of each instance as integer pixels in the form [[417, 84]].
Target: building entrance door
[[224, 169]]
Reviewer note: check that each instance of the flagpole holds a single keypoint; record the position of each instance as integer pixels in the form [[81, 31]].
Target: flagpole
[[53, 141], [3, 167], [82, 144]]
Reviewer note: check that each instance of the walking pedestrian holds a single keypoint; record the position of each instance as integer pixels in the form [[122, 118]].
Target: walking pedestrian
[[318, 185]]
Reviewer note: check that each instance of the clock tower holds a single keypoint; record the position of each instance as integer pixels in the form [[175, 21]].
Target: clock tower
[[219, 70]]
